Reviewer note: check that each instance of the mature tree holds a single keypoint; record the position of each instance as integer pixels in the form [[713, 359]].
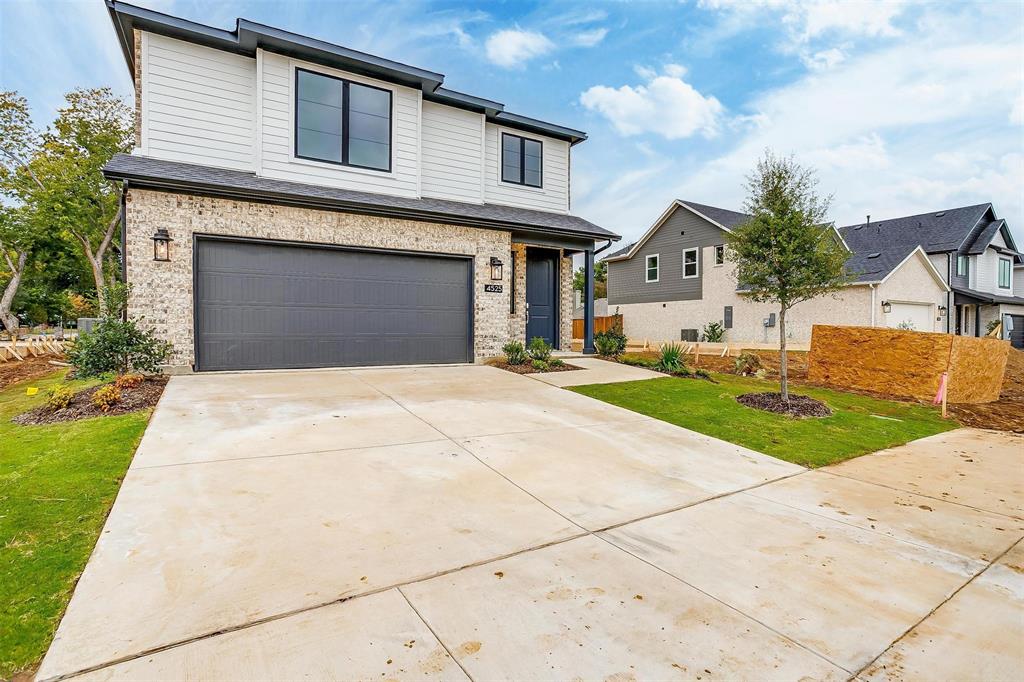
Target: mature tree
[[73, 196], [787, 252], [600, 279]]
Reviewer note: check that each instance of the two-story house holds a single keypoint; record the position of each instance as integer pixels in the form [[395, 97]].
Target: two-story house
[[948, 271], [294, 203]]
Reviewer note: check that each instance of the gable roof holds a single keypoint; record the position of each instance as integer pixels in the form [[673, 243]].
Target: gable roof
[[249, 36], [936, 232], [141, 171], [721, 218]]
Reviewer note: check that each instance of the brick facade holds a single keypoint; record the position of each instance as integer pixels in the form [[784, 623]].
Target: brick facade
[[162, 291]]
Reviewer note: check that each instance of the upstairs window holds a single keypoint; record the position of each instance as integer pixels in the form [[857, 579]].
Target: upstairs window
[[651, 268], [690, 263], [1005, 273], [961, 266], [720, 254], [342, 122], [521, 160]]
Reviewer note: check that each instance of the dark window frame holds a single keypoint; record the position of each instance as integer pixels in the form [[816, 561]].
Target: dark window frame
[[960, 259], [1009, 273], [522, 162], [345, 83]]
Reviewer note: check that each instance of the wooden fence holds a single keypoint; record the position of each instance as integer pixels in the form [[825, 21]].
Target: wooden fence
[[22, 349], [601, 324]]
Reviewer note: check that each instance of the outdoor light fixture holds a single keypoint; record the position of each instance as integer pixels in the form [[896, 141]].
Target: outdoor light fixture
[[886, 307], [162, 245], [942, 311], [495, 268]]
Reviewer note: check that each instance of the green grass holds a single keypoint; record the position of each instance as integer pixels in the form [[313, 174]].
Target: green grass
[[855, 427], [57, 483]]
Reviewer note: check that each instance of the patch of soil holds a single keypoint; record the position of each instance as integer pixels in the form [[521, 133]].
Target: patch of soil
[[1007, 413], [797, 406], [13, 371], [142, 396], [727, 365], [527, 368]]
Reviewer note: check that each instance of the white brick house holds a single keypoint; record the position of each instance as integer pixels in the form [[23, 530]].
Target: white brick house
[[327, 207]]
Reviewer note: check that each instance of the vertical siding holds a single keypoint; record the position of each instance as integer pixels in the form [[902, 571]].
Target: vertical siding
[[277, 159], [452, 148], [198, 104], [681, 230], [553, 196]]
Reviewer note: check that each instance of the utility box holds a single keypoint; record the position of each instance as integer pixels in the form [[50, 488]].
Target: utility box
[[86, 324], [690, 335]]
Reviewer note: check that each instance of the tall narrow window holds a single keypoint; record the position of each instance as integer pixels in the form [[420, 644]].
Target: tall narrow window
[[342, 122], [720, 254], [961, 266], [690, 263], [521, 160], [1005, 273], [651, 264]]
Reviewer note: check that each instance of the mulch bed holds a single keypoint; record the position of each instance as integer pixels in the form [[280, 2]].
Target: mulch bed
[[797, 406], [142, 396], [527, 368]]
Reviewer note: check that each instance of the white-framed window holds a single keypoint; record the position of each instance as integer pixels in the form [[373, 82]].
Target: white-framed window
[[1005, 273], [961, 266], [651, 267], [690, 263], [720, 255]]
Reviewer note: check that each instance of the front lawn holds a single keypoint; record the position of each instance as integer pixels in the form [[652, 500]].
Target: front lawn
[[858, 425], [57, 483]]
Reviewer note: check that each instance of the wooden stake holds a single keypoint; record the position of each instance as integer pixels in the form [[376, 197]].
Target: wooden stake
[[945, 394]]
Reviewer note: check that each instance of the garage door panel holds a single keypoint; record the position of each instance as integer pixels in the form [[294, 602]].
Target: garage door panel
[[263, 305]]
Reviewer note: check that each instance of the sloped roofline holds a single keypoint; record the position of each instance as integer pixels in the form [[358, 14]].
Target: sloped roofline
[[936, 275]]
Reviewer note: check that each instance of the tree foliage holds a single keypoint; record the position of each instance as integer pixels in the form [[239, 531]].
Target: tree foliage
[[600, 279], [788, 251]]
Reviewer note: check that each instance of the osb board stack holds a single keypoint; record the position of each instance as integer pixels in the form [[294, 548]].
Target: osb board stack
[[907, 363]]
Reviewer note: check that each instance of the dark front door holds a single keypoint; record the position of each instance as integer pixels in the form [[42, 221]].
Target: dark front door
[[264, 305], [1017, 333], [541, 301]]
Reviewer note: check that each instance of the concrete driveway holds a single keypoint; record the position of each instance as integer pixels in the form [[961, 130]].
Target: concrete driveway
[[455, 522]]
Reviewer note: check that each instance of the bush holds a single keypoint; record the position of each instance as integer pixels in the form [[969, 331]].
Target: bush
[[713, 332], [128, 381], [747, 364], [117, 345], [539, 365], [637, 361], [106, 397], [557, 362], [610, 343], [539, 349], [670, 358], [59, 397], [514, 352]]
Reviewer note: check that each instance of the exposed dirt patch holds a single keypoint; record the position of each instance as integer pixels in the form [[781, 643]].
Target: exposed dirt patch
[[1007, 413], [140, 397], [13, 371], [796, 406], [527, 368]]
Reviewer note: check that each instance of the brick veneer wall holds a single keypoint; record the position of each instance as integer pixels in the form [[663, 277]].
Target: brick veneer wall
[[517, 320], [162, 291]]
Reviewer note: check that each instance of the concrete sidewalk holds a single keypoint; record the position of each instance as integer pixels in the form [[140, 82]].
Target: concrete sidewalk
[[456, 522]]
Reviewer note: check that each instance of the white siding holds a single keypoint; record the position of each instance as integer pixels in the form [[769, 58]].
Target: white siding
[[553, 196], [987, 279], [997, 240], [939, 261], [452, 153], [198, 104], [1018, 281], [276, 145]]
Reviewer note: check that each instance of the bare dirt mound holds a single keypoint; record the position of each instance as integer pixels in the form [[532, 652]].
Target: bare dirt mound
[[796, 406]]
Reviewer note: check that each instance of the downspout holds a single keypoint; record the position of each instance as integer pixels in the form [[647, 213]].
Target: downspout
[[872, 286], [124, 232], [949, 294]]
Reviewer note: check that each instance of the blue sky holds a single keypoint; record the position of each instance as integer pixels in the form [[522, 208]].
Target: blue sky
[[903, 107]]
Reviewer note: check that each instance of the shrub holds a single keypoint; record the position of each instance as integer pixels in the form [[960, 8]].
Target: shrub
[[59, 397], [670, 358], [713, 332], [128, 381], [106, 397], [514, 352], [557, 362], [611, 343], [539, 349], [637, 361], [539, 365], [117, 345], [747, 364]]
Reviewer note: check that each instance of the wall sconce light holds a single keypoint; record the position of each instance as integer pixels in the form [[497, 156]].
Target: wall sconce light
[[496, 268], [942, 311], [162, 245], [886, 307]]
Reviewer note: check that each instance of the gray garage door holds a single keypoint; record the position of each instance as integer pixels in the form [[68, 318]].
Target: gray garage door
[[262, 305]]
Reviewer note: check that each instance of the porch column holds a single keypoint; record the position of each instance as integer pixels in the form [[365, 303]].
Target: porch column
[[588, 302]]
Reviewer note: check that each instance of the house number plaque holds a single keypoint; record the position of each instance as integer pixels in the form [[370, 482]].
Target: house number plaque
[[492, 288]]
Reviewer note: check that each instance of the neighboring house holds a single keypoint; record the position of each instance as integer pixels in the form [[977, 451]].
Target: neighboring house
[[677, 278], [328, 207], [600, 308]]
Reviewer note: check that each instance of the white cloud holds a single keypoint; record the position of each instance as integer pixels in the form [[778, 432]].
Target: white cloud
[[675, 70], [823, 60], [590, 38], [852, 18], [514, 47], [666, 105]]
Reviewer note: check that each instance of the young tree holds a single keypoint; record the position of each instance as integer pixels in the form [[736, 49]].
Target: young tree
[[600, 279], [787, 252]]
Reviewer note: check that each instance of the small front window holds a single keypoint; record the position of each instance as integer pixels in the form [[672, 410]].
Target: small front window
[[342, 122], [961, 266], [652, 268], [1005, 273], [521, 160], [720, 254], [690, 263]]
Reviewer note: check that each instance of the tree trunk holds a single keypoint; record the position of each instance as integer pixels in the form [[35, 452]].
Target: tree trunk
[[783, 360], [96, 259], [9, 319]]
